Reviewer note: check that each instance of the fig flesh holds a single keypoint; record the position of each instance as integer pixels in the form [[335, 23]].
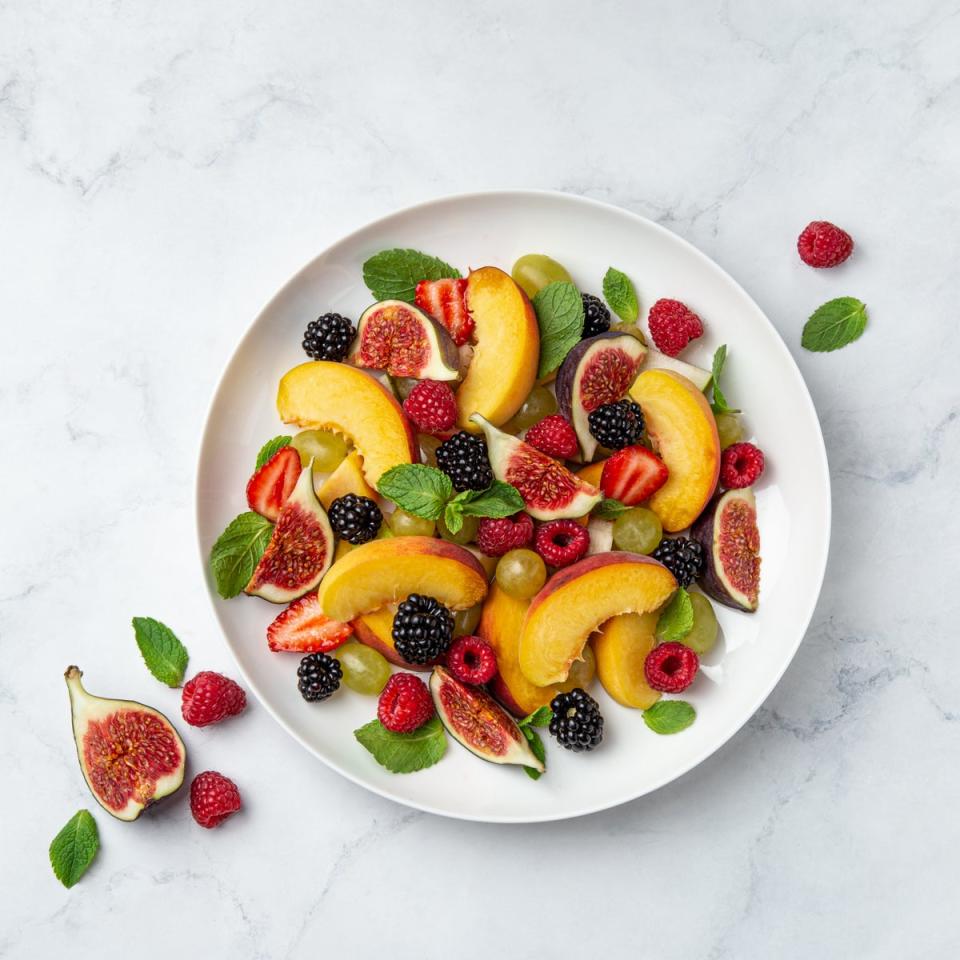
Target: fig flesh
[[473, 718], [596, 371], [405, 342], [300, 550], [728, 531], [549, 490], [130, 754]]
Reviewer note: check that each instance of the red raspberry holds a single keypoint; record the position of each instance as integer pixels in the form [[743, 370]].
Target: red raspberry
[[405, 703], [211, 697], [472, 660], [824, 244], [555, 437], [671, 667], [740, 465], [431, 406], [673, 325], [562, 542], [213, 797], [495, 537]]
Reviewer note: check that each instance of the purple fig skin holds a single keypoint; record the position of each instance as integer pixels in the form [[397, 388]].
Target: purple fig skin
[[705, 530]]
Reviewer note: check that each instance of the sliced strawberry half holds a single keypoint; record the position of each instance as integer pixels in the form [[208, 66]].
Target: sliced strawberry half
[[633, 475], [269, 487], [445, 300], [304, 628]]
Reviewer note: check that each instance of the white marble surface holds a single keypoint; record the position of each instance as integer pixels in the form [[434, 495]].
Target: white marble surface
[[165, 166]]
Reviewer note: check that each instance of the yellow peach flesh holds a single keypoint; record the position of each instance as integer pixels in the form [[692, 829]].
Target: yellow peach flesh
[[347, 478], [621, 647]]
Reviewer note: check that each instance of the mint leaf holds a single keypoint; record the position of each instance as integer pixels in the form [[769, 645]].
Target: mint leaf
[[394, 274], [560, 316], [719, 404], [618, 291], [74, 847], [404, 752], [536, 745], [669, 716], [609, 509], [417, 488], [498, 500], [165, 656], [540, 717], [237, 552], [676, 621], [835, 324], [270, 449]]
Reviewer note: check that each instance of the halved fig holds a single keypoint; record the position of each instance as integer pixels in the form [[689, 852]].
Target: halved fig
[[728, 531], [596, 371], [406, 342], [549, 490], [472, 717], [130, 754], [300, 550], [660, 361]]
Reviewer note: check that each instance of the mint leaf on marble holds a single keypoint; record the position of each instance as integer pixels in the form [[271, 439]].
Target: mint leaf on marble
[[559, 310], [417, 488], [270, 449], [165, 656], [404, 752], [619, 292], [669, 716], [394, 274], [835, 324], [74, 847], [237, 552], [676, 621]]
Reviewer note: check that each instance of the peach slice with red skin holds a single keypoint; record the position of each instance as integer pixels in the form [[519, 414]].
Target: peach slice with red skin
[[503, 368], [375, 630], [386, 571], [621, 647], [323, 395], [682, 427], [577, 599]]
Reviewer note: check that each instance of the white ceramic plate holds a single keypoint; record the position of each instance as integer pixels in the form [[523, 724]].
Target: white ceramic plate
[[793, 498]]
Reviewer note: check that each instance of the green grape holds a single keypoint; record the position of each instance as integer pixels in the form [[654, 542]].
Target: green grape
[[429, 446], [631, 328], [326, 449], [539, 404], [405, 524], [704, 633], [730, 429], [364, 670], [638, 531], [466, 534], [581, 671], [533, 271], [521, 573], [465, 621]]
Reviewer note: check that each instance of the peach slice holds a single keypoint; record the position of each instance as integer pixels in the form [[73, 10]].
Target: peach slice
[[384, 571], [590, 474], [347, 478], [681, 425], [621, 647], [333, 396], [376, 630], [576, 600], [504, 365]]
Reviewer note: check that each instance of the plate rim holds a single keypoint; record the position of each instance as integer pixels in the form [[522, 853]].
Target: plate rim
[[822, 463]]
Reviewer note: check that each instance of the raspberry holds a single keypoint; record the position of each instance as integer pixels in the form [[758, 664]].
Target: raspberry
[[673, 325], [823, 244], [495, 537], [213, 798], [555, 437], [671, 667], [431, 406], [211, 697], [472, 660], [562, 542], [405, 703], [740, 465]]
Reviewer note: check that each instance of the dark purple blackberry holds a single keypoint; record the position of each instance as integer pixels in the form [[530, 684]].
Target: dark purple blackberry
[[617, 425], [422, 629], [596, 316], [318, 676], [577, 722], [355, 519], [328, 337], [463, 458], [682, 557]]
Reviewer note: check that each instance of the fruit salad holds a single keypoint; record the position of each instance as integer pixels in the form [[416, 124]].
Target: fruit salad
[[496, 499]]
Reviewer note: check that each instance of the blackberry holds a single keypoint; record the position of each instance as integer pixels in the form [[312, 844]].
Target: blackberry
[[682, 557], [328, 337], [463, 458], [596, 316], [355, 519], [318, 676], [422, 629], [617, 425], [577, 722]]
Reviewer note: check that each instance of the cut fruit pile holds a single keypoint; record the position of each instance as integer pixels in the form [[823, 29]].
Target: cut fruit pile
[[480, 490]]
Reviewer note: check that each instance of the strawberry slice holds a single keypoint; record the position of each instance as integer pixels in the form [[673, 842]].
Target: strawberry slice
[[633, 475], [445, 300], [304, 628], [270, 486]]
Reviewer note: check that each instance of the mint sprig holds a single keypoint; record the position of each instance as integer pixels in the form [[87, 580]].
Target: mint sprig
[[609, 509], [676, 621], [165, 656], [237, 552], [417, 488], [719, 404], [540, 717], [394, 274], [74, 847], [404, 752], [619, 292], [669, 716], [835, 324], [559, 310], [498, 500], [270, 449]]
